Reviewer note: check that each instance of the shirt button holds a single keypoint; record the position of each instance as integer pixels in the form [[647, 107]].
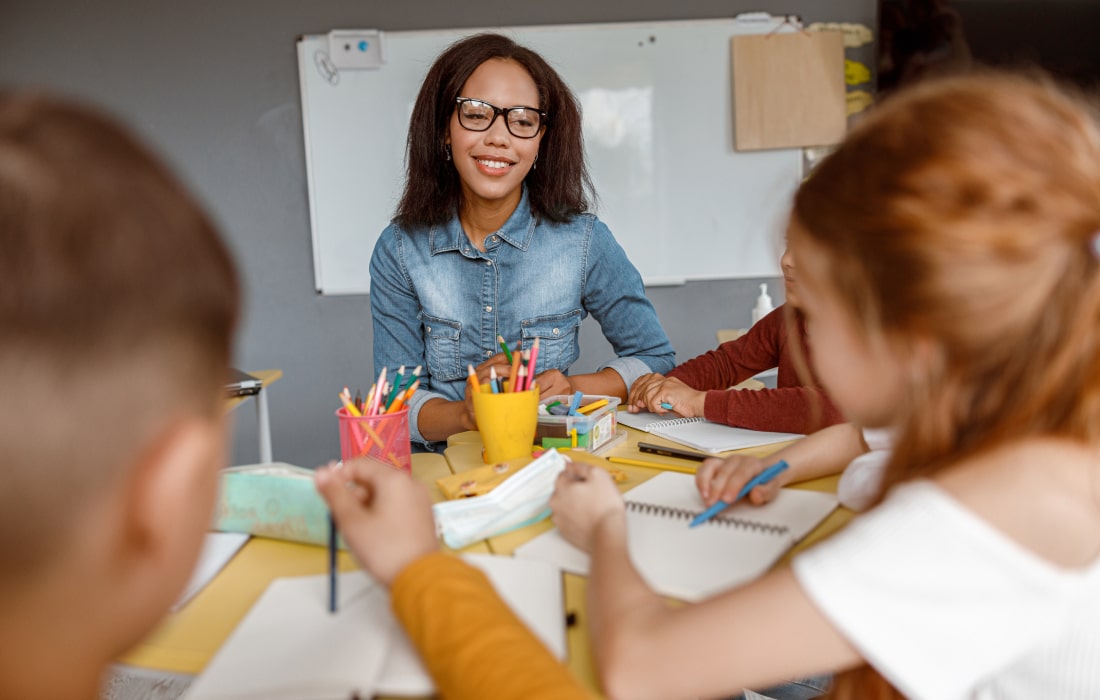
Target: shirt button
[[556, 331], [493, 239], [428, 328], [488, 353], [488, 262], [489, 309]]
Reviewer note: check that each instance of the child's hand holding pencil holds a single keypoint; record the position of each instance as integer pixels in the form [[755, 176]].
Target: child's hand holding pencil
[[384, 515]]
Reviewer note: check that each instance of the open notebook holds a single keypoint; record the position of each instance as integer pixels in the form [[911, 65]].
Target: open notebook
[[701, 433], [694, 563], [289, 646]]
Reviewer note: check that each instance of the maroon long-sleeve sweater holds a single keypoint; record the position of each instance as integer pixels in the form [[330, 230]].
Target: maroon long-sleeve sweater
[[790, 407]]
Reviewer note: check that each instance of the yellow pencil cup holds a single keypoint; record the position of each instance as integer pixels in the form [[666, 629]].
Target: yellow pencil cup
[[507, 424]]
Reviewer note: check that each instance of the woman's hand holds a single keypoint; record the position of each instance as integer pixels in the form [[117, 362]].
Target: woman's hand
[[498, 363], [583, 497], [552, 382], [722, 479], [652, 390], [384, 515]]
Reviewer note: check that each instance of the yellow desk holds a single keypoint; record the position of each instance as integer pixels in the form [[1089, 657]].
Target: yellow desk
[[464, 453], [263, 418], [187, 640]]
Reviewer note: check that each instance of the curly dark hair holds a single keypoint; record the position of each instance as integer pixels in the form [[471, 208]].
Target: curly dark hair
[[558, 189]]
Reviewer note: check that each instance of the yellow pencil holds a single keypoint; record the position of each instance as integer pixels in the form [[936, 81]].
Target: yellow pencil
[[352, 410], [651, 465]]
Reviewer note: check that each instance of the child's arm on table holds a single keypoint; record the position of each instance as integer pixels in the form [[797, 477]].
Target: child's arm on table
[[822, 453], [654, 392], [753, 636], [385, 516]]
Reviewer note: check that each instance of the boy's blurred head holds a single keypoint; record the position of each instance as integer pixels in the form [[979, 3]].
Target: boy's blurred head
[[118, 302]]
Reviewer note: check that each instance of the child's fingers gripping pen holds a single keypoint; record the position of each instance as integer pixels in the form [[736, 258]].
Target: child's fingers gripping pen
[[761, 478]]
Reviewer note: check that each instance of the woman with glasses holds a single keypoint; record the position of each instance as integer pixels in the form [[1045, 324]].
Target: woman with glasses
[[492, 237]]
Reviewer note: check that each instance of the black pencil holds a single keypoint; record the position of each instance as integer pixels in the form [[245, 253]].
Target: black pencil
[[331, 564]]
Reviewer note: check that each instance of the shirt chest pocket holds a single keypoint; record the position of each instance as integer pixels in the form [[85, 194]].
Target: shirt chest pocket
[[441, 347], [558, 344]]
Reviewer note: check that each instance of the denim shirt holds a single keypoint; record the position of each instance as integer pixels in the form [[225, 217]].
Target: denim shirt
[[439, 302]]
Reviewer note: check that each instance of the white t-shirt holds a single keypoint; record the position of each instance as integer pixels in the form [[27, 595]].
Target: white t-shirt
[[945, 606], [859, 484]]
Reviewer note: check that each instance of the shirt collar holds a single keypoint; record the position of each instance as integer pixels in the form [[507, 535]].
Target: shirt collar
[[517, 231]]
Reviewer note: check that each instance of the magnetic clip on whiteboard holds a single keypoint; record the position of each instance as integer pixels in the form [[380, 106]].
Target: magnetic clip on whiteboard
[[356, 48]]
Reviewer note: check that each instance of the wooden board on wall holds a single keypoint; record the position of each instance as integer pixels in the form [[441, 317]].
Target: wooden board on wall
[[788, 90]]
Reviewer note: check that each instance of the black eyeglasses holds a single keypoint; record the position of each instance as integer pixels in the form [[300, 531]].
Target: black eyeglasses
[[476, 115]]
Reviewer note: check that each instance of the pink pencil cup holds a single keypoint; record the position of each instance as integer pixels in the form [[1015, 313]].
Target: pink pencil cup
[[384, 437]]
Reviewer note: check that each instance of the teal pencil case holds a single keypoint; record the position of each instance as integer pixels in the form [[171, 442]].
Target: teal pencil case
[[274, 500]]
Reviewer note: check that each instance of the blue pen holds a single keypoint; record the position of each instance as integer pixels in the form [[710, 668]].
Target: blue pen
[[666, 405], [761, 478]]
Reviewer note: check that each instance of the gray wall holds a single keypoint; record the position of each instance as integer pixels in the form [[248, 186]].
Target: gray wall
[[213, 85]]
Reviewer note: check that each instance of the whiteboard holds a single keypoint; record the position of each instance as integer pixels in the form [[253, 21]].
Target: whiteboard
[[658, 128]]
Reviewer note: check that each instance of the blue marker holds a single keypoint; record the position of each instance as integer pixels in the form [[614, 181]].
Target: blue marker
[[761, 478], [666, 405]]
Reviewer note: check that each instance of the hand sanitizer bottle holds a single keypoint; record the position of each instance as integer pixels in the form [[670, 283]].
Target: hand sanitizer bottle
[[763, 305]]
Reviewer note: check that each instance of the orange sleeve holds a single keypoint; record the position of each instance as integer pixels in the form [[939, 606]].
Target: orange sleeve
[[472, 644]]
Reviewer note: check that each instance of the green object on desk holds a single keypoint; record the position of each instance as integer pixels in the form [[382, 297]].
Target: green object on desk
[[549, 442], [272, 500]]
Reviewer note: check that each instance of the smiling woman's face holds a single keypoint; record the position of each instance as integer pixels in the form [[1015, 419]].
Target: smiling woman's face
[[493, 163]]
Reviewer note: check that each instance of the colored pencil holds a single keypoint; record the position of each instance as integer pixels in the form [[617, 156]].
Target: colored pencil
[[513, 377], [504, 347], [531, 363], [650, 465], [761, 478], [331, 563]]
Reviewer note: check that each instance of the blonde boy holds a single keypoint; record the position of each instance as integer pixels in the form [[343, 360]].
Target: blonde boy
[[117, 306]]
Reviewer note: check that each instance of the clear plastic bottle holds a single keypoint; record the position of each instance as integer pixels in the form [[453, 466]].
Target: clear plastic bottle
[[763, 305]]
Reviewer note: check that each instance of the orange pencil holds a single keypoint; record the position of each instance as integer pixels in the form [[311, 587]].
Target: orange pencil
[[513, 377], [402, 398], [474, 383]]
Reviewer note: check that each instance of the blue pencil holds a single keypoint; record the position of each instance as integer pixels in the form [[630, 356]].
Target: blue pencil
[[331, 564], [761, 478]]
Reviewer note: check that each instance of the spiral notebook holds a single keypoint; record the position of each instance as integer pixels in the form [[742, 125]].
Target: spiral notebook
[[694, 563], [701, 433]]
